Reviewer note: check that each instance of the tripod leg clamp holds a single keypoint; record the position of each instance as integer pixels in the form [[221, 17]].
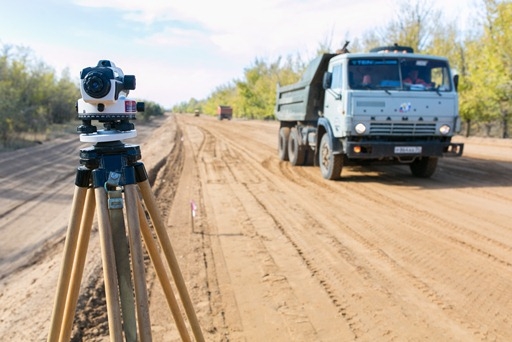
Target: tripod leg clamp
[[115, 200]]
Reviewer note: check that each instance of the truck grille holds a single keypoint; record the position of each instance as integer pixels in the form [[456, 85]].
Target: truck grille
[[402, 128]]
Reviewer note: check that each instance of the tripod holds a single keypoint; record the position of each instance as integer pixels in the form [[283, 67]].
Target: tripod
[[109, 169]]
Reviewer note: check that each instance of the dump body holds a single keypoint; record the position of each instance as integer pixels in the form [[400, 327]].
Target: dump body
[[224, 112], [397, 106], [302, 101]]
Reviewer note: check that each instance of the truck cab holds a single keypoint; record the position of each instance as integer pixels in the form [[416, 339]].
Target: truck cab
[[374, 90]]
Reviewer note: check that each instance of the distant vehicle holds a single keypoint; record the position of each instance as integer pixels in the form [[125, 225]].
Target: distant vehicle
[[224, 112], [197, 112], [368, 107]]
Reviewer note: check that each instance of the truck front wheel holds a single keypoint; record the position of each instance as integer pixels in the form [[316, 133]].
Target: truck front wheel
[[282, 149], [330, 164], [424, 167], [296, 152]]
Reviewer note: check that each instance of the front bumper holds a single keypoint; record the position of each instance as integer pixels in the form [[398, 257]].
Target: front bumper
[[402, 149]]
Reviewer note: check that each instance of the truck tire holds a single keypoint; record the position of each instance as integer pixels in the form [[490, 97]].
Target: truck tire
[[424, 167], [296, 151], [282, 148], [330, 164]]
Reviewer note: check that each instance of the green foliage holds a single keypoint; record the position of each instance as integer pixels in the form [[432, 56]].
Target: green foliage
[[31, 97], [257, 90], [486, 91], [254, 95], [414, 25], [187, 107], [226, 95], [152, 109]]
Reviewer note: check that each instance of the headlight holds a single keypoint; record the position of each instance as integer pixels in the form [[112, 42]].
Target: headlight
[[360, 128], [444, 129]]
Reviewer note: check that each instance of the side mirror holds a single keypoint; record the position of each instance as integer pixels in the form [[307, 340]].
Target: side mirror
[[327, 81], [456, 81]]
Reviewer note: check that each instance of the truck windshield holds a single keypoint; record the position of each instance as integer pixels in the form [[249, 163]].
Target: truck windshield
[[410, 74]]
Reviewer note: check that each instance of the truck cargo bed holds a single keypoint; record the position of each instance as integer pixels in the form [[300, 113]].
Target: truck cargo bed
[[303, 101]]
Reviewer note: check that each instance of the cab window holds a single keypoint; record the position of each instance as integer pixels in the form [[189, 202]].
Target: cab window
[[336, 77]]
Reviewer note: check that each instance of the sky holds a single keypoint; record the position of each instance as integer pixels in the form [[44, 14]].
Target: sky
[[185, 49]]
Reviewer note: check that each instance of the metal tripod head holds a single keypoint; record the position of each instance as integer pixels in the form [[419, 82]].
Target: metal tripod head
[[109, 157]]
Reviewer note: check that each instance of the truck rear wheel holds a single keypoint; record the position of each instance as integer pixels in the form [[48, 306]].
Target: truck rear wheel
[[330, 164], [424, 167], [282, 149], [296, 152]]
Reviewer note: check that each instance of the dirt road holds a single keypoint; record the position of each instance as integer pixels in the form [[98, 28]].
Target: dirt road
[[277, 253]]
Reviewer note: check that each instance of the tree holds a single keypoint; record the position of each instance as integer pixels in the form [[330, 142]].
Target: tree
[[31, 96], [488, 89], [257, 91], [224, 95], [63, 99], [497, 30], [152, 109], [413, 26]]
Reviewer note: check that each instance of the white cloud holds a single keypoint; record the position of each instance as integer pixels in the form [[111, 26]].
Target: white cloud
[[230, 31], [174, 37], [250, 28]]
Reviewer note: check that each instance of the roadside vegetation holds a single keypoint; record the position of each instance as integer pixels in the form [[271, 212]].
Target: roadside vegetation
[[32, 97], [481, 54]]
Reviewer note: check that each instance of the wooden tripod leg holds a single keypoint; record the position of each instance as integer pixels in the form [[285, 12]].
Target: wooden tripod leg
[[67, 263], [78, 266], [149, 200], [137, 257], [122, 257], [162, 274], [109, 267]]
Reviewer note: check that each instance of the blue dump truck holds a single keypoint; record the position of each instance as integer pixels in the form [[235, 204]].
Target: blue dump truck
[[388, 105]]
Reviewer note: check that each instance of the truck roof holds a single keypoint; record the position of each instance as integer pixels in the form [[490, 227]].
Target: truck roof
[[387, 55]]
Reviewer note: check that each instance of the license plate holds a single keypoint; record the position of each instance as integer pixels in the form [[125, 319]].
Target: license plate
[[407, 149]]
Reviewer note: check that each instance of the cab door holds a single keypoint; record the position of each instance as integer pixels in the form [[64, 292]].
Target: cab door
[[333, 100]]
